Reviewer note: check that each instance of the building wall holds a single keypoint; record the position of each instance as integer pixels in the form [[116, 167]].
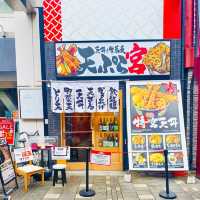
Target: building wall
[[25, 29], [28, 62]]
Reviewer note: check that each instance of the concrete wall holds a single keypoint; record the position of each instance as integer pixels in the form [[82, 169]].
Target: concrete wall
[[28, 61], [25, 29]]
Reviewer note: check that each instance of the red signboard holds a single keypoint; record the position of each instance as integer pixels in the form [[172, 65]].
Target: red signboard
[[7, 130]]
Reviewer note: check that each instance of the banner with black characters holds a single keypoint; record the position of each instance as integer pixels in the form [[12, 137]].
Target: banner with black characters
[[155, 122], [117, 58], [79, 96]]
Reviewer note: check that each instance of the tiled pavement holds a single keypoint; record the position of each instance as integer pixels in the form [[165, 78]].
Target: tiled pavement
[[110, 187]]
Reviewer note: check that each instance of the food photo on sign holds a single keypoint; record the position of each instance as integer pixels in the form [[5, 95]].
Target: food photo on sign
[[175, 160], [154, 107], [173, 142], [138, 142], [139, 159], [155, 142], [119, 58]]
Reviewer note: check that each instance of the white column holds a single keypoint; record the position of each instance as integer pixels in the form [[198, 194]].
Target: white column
[[28, 65]]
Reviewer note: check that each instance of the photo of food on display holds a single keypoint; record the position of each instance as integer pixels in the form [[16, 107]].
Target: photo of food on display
[[139, 160], [138, 142], [155, 142], [173, 142], [154, 108], [157, 59], [156, 160], [175, 160], [67, 62]]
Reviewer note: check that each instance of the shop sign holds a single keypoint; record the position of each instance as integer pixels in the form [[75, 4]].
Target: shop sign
[[61, 153], [119, 58], [100, 157], [6, 165], [23, 154], [7, 130], [155, 123], [72, 97]]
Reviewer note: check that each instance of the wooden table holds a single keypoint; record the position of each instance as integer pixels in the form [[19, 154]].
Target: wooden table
[[27, 171]]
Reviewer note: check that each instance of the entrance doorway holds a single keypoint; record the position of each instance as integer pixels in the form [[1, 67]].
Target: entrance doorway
[[100, 130], [78, 133]]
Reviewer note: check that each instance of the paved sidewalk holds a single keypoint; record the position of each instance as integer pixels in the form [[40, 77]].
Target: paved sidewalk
[[110, 187]]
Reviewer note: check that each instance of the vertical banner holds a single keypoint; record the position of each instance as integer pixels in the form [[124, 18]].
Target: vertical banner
[[90, 102], [7, 130], [102, 104], [56, 97], [155, 122], [68, 99], [79, 99], [113, 98]]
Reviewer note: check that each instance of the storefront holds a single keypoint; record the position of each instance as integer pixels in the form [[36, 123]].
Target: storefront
[[99, 130], [90, 116], [76, 58]]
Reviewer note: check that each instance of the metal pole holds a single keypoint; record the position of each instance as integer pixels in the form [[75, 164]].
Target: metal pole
[[87, 192], [166, 171], [87, 170], [167, 194]]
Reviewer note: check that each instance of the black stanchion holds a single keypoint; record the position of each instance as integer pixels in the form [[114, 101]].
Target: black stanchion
[[167, 194], [87, 192]]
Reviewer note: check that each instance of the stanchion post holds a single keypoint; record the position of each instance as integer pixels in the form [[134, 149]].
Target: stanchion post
[[87, 192], [167, 194], [87, 170]]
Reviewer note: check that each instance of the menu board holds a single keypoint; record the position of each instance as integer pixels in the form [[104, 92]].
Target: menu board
[[6, 166], [155, 122]]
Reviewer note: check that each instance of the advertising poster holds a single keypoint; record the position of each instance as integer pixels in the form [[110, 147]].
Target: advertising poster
[[23, 154], [119, 58], [100, 158], [6, 165], [7, 130], [155, 123]]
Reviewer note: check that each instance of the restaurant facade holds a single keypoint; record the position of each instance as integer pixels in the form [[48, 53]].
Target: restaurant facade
[[113, 81]]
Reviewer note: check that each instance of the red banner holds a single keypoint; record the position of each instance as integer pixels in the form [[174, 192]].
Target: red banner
[[7, 130], [172, 19]]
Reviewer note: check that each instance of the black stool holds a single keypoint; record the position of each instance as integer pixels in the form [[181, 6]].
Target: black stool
[[56, 169]]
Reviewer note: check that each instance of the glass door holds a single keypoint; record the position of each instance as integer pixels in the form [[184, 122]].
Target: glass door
[[78, 133]]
